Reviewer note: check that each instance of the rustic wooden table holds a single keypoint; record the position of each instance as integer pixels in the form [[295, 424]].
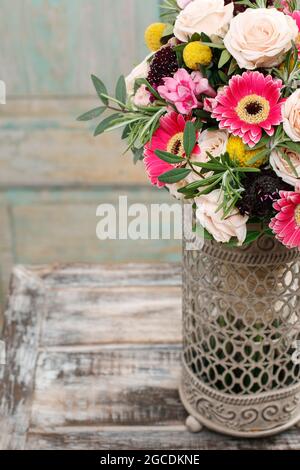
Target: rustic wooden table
[[93, 362]]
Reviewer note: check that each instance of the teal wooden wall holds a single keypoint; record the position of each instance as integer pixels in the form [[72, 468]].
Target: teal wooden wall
[[50, 47], [53, 173]]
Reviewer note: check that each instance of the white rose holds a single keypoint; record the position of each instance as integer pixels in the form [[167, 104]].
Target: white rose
[[221, 229], [291, 116], [260, 37], [211, 17], [282, 167], [140, 71], [183, 3], [142, 96], [213, 142]]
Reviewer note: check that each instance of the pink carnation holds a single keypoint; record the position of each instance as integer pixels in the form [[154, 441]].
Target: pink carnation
[[183, 90]]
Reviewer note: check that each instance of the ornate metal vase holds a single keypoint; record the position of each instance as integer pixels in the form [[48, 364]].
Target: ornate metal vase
[[241, 324]]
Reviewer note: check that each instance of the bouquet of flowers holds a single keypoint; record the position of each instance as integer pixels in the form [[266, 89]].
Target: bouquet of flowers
[[214, 113]]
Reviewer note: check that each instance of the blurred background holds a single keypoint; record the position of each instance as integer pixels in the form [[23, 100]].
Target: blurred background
[[53, 173]]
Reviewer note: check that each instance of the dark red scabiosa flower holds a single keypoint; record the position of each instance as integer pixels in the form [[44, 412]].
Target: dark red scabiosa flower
[[163, 64], [261, 191]]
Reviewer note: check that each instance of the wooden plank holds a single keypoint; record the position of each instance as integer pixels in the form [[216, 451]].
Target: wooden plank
[[21, 333], [44, 146], [113, 315], [102, 396], [60, 229], [117, 385], [6, 253], [153, 438], [52, 47], [90, 276]]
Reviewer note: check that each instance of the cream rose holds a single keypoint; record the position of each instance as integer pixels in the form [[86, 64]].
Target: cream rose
[[211, 17], [291, 116], [213, 142], [221, 229], [282, 167], [260, 37], [140, 71]]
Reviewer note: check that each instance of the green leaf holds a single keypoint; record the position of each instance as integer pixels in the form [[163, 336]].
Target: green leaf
[[232, 67], [121, 93], [138, 154], [126, 132], [209, 166], [224, 58], [189, 138], [94, 113], [174, 176], [246, 169], [100, 89], [294, 146], [168, 157], [289, 162], [105, 124], [204, 182], [196, 37], [223, 76], [259, 156], [205, 38]]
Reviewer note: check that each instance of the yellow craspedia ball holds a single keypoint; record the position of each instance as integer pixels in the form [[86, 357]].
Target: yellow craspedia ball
[[153, 35], [196, 53], [238, 152]]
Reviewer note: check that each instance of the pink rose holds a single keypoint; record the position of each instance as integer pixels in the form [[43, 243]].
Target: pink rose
[[181, 91], [142, 96]]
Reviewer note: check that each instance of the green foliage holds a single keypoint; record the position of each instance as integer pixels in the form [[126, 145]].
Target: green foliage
[[121, 94], [93, 114], [169, 11], [224, 58], [175, 175], [100, 89], [189, 138]]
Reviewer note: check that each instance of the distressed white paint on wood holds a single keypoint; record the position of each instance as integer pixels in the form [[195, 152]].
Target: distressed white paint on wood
[[153, 437], [6, 252], [106, 395], [138, 315], [110, 386]]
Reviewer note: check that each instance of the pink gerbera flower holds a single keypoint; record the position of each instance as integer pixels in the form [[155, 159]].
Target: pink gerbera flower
[[168, 138], [286, 224], [248, 105]]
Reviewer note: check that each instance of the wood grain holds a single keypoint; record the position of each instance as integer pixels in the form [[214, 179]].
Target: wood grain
[[88, 369], [153, 438], [116, 385], [21, 333], [44, 146], [51, 47]]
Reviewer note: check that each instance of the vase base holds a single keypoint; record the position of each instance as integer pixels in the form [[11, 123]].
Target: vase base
[[193, 425], [252, 416]]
